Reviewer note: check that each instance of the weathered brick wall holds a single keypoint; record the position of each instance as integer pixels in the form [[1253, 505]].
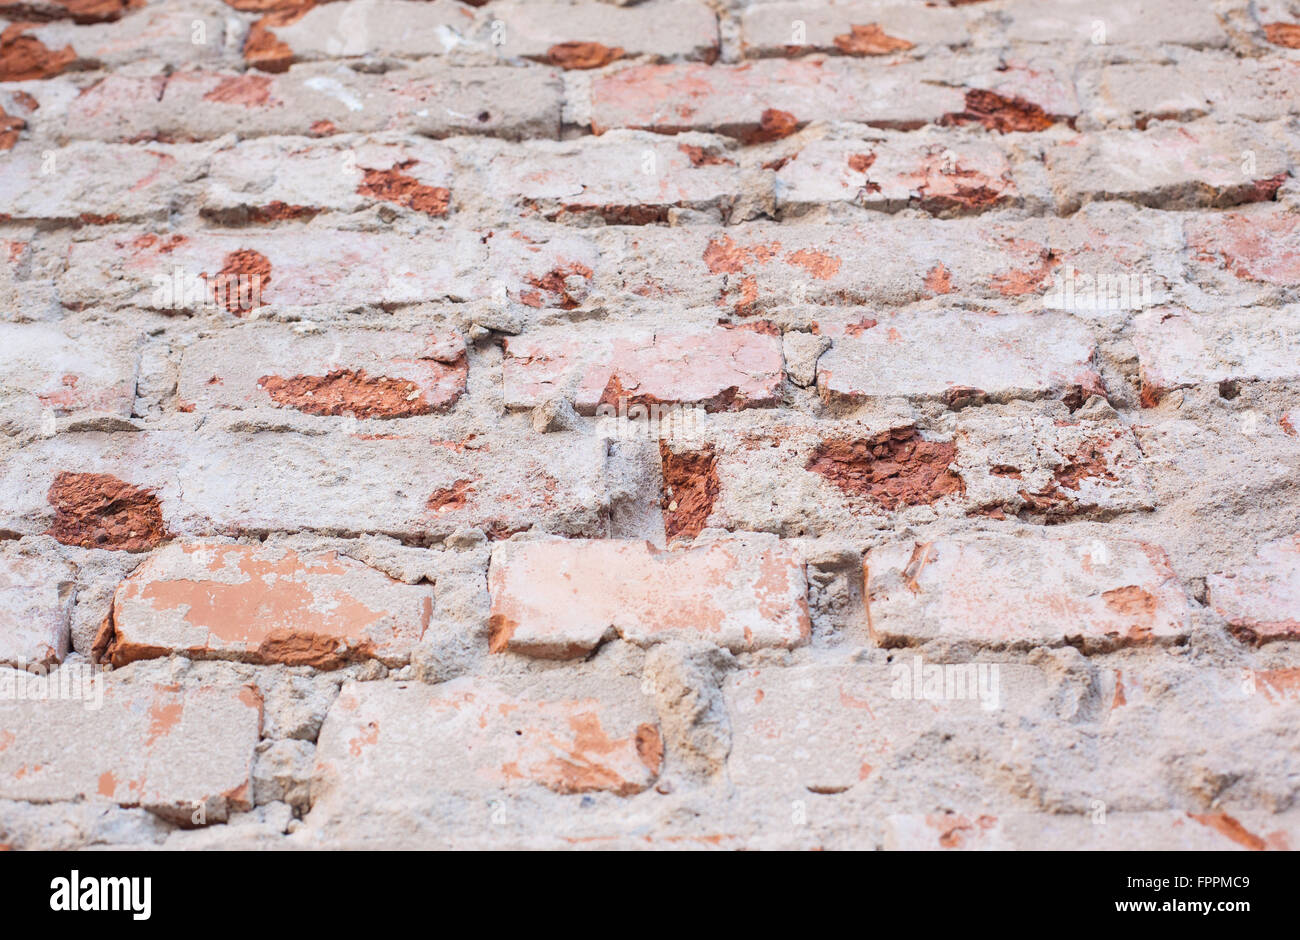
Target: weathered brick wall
[[973, 325]]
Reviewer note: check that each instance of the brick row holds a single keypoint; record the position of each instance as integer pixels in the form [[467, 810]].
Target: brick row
[[636, 178], [845, 478], [134, 491]]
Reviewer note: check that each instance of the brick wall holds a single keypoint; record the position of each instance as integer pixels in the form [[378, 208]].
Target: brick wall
[[661, 424]]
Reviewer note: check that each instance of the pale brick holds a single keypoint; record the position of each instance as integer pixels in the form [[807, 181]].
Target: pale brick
[[930, 355], [659, 31], [363, 373], [68, 184], [414, 488], [1060, 466], [27, 291], [105, 12], [161, 32], [428, 99], [424, 758], [760, 267], [917, 732], [826, 729], [172, 272], [1168, 166], [1011, 591], [768, 29], [1112, 832], [731, 100], [1121, 23], [175, 751], [1033, 287], [1261, 600], [71, 369], [719, 369], [273, 178], [624, 178], [1177, 349], [396, 28], [35, 605], [264, 605], [540, 268], [1256, 247], [1133, 94], [559, 600], [932, 172]]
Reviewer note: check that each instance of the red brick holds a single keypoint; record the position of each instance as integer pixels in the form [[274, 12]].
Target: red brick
[[559, 600], [263, 605], [98, 510]]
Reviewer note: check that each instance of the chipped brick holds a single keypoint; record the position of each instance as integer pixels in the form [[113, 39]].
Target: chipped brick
[[690, 487], [870, 40], [896, 467], [24, 57], [97, 510]]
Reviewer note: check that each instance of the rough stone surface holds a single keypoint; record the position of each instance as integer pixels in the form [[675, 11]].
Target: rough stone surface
[[670, 424]]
